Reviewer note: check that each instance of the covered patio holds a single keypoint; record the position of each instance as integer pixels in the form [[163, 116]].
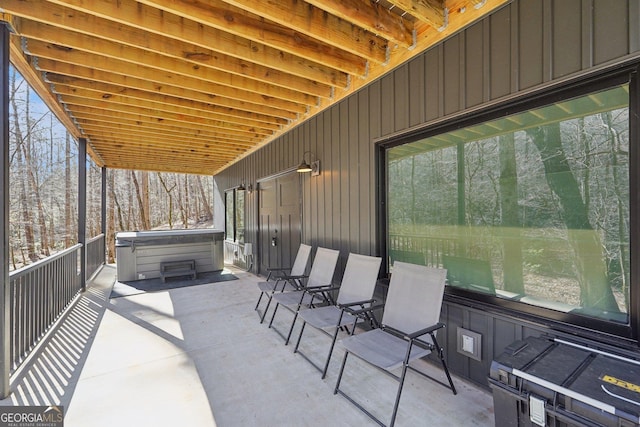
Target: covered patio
[[198, 356], [246, 90]]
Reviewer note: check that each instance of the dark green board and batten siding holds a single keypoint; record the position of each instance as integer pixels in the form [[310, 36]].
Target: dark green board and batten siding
[[525, 46]]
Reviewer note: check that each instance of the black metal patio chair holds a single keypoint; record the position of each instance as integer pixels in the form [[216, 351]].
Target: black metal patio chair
[[319, 280], [280, 279], [354, 294], [408, 331]]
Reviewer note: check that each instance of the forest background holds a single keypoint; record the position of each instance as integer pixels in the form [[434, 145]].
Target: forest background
[[43, 180]]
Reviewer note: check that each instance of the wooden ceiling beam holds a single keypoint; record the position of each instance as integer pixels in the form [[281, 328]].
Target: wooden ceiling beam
[[243, 91], [151, 105], [289, 38], [87, 73], [127, 142], [168, 134], [307, 18], [104, 90], [221, 32], [370, 16], [81, 42], [83, 105], [269, 67], [167, 167], [430, 11]]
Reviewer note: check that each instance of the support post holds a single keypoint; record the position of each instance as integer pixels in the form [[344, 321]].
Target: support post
[[82, 210], [5, 302], [103, 212]]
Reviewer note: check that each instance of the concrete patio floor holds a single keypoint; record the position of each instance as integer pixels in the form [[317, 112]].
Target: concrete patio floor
[[198, 356]]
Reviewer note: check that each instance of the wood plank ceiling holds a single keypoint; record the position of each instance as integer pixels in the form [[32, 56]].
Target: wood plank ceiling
[[194, 85]]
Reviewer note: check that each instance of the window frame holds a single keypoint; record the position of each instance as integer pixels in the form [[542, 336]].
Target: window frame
[[617, 333]]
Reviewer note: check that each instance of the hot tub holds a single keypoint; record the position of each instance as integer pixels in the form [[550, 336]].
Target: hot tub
[[139, 253]]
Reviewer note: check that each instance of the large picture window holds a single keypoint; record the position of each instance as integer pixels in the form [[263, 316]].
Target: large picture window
[[530, 207]]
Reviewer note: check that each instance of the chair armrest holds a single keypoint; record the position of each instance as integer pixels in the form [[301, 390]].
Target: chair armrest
[[302, 276], [362, 310], [278, 268], [321, 288], [424, 331], [349, 304]]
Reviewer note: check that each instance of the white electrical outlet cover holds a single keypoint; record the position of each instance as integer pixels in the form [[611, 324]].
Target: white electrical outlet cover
[[467, 344]]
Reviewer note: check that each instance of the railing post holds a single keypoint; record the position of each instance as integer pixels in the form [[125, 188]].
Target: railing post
[[103, 212], [5, 330], [82, 210]]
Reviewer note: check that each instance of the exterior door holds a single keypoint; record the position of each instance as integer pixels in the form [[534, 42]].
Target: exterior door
[[280, 227]]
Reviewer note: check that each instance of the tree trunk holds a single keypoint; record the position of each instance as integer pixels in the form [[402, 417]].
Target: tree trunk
[[145, 210], [205, 200], [27, 218], [170, 197], [512, 242], [585, 242], [34, 188], [143, 218], [67, 192], [111, 220]]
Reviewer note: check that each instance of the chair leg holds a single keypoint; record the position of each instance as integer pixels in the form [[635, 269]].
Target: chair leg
[[264, 314], [295, 350], [275, 309], [344, 362], [259, 299], [444, 363], [333, 344], [293, 324], [405, 366]]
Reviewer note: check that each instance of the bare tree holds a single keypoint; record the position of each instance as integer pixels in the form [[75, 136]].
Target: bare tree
[[585, 242]]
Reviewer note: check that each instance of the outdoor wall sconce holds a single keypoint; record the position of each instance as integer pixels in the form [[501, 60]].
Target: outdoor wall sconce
[[241, 187], [250, 188], [314, 167]]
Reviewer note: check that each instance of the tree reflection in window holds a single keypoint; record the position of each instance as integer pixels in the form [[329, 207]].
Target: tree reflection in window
[[540, 198]]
